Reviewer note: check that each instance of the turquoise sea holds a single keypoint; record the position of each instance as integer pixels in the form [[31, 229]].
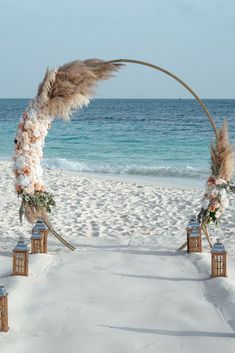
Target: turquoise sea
[[128, 137]]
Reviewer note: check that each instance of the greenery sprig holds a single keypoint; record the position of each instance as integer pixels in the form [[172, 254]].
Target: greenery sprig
[[40, 199]]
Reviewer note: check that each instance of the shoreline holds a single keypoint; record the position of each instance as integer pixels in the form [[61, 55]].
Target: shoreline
[[168, 182]]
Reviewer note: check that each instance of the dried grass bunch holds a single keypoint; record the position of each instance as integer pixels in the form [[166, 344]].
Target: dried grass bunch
[[222, 155], [72, 85]]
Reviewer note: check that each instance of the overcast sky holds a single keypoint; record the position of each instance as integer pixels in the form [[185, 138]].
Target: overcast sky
[[195, 39]]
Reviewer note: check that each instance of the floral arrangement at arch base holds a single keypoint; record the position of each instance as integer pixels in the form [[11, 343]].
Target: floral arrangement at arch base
[[219, 185], [62, 91]]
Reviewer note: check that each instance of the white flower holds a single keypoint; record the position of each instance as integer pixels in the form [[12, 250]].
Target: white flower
[[223, 194], [36, 133], [36, 145], [39, 171], [205, 203], [218, 214], [214, 192], [24, 180], [20, 162], [226, 202], [26, 148]]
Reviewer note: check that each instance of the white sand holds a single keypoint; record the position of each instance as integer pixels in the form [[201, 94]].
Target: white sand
[[125, 289]]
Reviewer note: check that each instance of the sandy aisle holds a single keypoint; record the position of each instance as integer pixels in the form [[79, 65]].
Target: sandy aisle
[[114, 299]]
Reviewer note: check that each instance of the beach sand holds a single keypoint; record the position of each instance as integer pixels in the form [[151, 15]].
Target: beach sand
[[125, 288]]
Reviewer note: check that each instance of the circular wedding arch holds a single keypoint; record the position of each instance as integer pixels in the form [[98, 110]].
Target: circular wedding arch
[[61, 91]]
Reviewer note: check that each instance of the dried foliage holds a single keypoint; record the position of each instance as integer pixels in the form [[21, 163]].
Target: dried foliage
[[72, 85], [222, 155]]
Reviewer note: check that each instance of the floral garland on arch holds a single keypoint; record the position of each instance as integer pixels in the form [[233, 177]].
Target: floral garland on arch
[[216, 198], [62, 91], [29, 185]]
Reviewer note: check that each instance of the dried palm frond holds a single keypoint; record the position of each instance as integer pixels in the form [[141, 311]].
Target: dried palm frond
[[30, 213], [222, 155], [72, 85]]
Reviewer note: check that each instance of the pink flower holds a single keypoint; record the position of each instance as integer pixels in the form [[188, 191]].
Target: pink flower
[[216, 204], [220, 181], [218, 214], [211, 181]]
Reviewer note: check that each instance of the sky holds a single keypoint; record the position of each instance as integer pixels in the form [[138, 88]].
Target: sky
[[193, 39]]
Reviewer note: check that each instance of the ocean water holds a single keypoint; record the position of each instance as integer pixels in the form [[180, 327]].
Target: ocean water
[[152, 138]]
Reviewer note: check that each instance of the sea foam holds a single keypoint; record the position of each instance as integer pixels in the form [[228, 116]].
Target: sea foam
[[105, 168]]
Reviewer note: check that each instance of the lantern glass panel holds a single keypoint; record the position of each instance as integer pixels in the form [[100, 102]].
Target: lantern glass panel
[[219, 265], [20, 262]]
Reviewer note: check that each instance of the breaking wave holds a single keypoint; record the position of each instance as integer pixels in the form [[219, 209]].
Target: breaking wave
[[105, 168]]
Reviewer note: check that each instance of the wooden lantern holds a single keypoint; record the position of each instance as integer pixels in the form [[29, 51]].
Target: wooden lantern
[[36, 243], [3, 309], [20, 258], [218, 260], [41, 228], [194, 239]]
